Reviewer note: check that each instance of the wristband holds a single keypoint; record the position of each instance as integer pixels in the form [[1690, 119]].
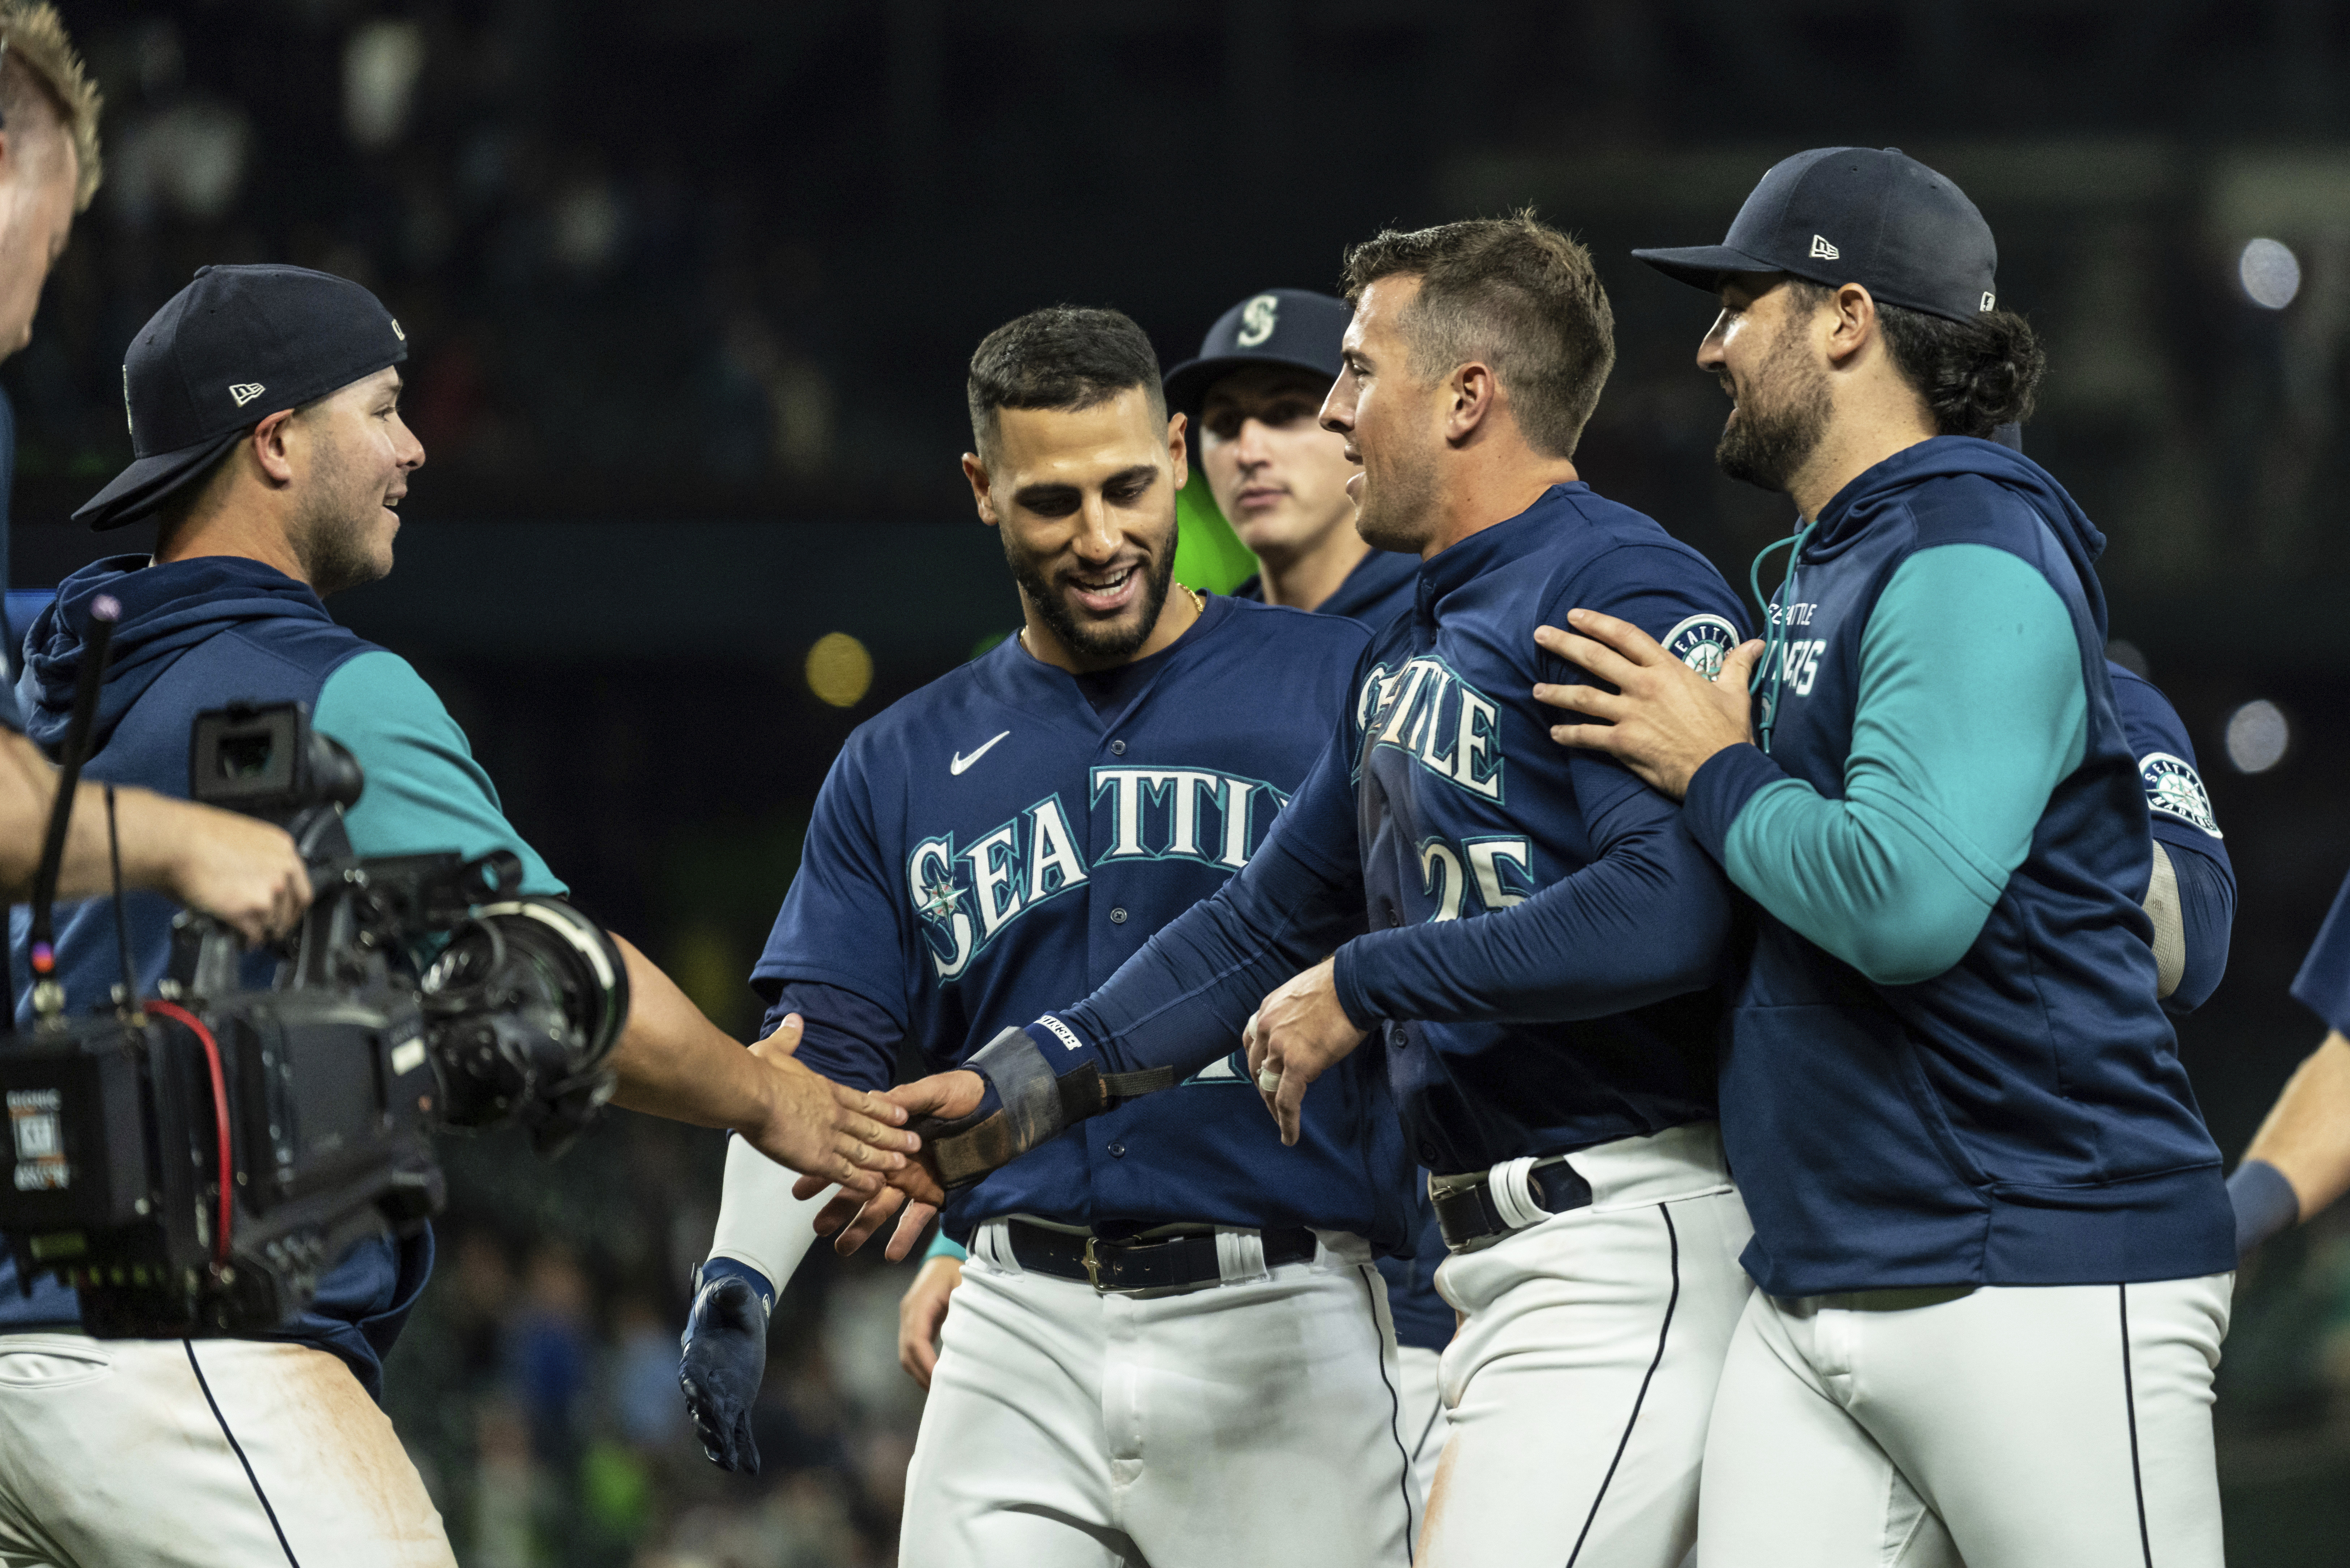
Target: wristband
[[2265, 1204], [714, 1270]]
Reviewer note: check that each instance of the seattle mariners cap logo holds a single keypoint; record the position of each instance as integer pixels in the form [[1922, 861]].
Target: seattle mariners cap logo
[[1825, 250], [1257, 320], [246, 391]]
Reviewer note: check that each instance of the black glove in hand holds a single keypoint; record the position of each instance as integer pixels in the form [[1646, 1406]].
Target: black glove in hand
[[725, 1353]]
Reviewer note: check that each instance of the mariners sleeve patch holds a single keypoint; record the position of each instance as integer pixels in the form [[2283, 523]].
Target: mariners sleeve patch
[[2173, 789], [1702, 642]]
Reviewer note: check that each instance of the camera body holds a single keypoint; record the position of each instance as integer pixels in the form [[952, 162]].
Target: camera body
[[194, 1164]]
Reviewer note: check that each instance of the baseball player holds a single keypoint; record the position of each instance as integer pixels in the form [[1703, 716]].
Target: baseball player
[[1169, 1345], [1253, 394], [264, 405], [1545, 933], [1991, 1240]]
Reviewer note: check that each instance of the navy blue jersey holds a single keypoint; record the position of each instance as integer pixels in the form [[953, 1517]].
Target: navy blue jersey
[[993, 847], [1544, 935], [2180, 808], [1378, 590], [2018, 1115]]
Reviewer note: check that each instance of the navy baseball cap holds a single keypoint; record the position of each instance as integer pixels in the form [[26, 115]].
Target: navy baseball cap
[[235, 345], [1292, 327], [1855, 214]]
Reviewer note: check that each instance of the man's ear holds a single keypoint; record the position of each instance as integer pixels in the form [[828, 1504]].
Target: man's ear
[[1854, 321], [982, 491], [1179, 449], [1472, 396], [271, 441]]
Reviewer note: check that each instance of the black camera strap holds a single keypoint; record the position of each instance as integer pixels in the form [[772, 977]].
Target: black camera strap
[[49, 997]]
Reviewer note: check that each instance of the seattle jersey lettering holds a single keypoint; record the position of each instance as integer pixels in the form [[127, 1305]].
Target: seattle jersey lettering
[[1426, 710], [968, 895]]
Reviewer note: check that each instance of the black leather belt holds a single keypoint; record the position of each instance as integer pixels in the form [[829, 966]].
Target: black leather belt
[[1466, 1213], [1163, 1264]]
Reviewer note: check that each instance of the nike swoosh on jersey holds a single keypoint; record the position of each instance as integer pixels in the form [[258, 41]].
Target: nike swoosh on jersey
[[961, 761]]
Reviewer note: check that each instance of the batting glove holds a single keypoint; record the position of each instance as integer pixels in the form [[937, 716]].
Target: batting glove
[[725, 1353]]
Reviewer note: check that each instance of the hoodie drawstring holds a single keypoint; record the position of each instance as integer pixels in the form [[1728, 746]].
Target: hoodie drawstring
[[1773, 665]]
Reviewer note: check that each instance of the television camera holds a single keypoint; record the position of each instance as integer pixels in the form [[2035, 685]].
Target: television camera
[[193, 1163]]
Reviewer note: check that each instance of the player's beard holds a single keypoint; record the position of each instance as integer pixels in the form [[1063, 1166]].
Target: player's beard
[[1103, 643], [335, 534], [1397, 512], [1779, 421]]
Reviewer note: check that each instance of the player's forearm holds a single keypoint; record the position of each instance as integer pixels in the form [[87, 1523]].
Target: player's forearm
[[1954, 754], [1643, 922], [2307, 1134], [673, 1062], [149, 827], [1183, 1000], [760, 1223]]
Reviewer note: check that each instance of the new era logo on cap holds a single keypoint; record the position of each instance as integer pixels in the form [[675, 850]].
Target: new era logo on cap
[[246, 391], [1825, 250]]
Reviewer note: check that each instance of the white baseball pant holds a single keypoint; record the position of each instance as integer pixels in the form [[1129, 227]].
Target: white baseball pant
[[1254, 1421], [208, 1453], [2014, 1427], [1580, 1383]]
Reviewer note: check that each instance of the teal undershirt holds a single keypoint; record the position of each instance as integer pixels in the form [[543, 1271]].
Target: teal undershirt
[[943, 1246], [424, 792], [1970, 709]]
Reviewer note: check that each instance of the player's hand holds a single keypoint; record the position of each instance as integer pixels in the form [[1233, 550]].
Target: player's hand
[[921, 1312], [724, 1356], [823, 1129], [1298, 1034], [912, 1191], [242, 871], [1664, 720]]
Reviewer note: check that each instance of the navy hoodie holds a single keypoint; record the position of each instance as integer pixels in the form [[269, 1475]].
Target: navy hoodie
[[1948, 1064], [193, 635]]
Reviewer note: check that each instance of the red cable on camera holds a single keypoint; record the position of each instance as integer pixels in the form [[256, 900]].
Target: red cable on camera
[[195, 1026]]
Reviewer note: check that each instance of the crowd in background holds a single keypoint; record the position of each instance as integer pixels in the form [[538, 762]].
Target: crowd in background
[[536, 1384]]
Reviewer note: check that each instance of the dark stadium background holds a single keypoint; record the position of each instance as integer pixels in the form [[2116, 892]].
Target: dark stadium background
[[689, 287]]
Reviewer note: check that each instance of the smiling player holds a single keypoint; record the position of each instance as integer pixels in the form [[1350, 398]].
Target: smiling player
[[1168, 1343], [1991, 1238]]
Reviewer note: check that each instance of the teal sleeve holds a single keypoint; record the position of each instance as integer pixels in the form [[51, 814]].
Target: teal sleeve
[[1970, 709], [424, 791], [943, 1246]]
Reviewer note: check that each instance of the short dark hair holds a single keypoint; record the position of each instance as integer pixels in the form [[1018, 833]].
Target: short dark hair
[[1514, 293], [1064, 357], [1975, 375]]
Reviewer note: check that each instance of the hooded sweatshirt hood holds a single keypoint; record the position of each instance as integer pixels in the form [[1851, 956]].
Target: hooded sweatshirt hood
[[1876, 489], [167, 609]]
